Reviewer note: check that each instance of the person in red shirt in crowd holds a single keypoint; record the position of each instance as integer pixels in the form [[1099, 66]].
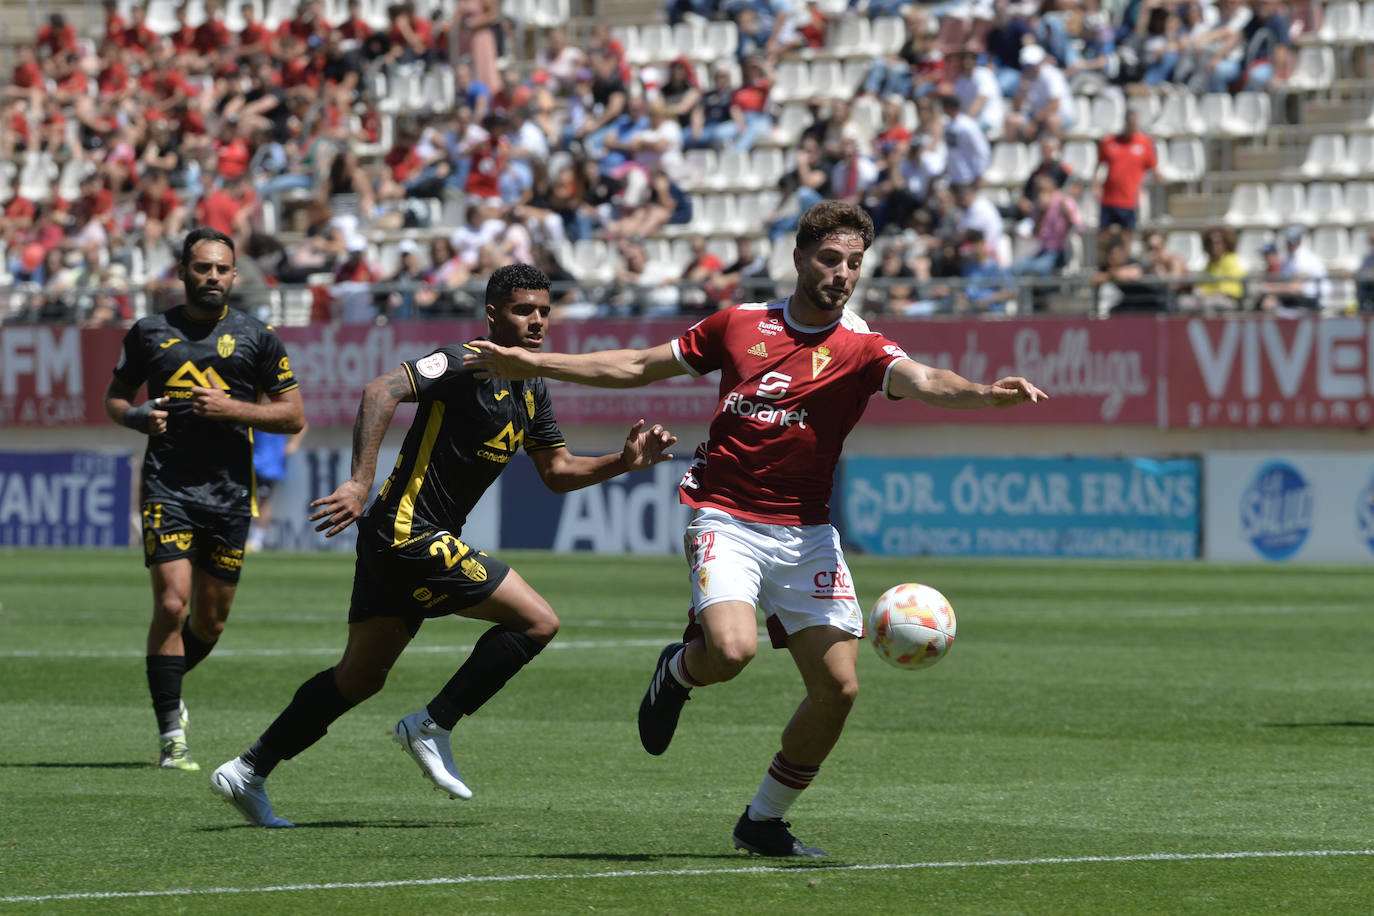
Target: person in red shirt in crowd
[[52, 129], [355, 27], [814, 26], [309, 22], [254, 37], [69, 80], [212, 34], [138, 38], [749, 105], [411, 35], [233, 151], [162, 210], [489, 158], [1126, 156], [224, 209], [114, 23], [57, 37], [26, 77], [16, 219], [113, 79], [183, 37], [603, 41], [166, 84], [96, 200]]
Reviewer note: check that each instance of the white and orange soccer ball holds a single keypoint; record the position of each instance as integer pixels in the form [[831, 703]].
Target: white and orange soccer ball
[[911, 626]]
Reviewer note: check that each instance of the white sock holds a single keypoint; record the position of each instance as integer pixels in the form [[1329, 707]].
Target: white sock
[[174, 733], [677, 667], [781, 787]]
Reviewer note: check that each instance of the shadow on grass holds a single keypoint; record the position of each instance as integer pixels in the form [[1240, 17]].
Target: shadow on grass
[[68, 765], [1318, 725], [657, 856], [352, 825]]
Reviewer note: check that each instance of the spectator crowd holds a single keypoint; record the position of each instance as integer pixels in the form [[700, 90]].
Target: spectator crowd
[[393, 156]]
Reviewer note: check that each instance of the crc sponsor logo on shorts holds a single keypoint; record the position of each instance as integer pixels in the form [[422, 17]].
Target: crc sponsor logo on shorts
[[182, 539], [832, 583], [227, 558]]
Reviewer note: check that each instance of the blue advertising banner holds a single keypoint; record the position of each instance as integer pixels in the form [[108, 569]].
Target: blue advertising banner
[[1032, 507], [64, 499]]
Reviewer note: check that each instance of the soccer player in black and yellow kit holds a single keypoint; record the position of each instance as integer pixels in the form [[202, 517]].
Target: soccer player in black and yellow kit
[[412, 563], [207, 368]]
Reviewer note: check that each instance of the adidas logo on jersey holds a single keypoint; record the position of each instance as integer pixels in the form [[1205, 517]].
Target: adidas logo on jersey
[[757, 349]]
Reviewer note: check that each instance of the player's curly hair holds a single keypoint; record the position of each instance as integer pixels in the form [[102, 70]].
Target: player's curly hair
[[203, 234], [833, 216], [506, 280]]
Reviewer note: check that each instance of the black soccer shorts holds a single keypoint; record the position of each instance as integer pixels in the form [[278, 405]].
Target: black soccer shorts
[[432, 575], [211, 539]]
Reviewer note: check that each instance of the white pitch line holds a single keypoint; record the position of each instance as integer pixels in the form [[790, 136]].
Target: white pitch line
[[696, 873], [331, 650]]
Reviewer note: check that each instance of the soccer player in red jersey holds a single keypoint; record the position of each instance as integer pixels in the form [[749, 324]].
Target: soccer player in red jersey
[[795, 376]]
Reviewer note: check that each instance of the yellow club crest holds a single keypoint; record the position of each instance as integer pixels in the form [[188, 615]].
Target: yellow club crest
[[225, 345], [820, 358], [529, 403], [473, 569]]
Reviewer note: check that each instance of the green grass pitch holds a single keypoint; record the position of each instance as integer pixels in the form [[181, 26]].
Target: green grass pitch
[[1103, 738]]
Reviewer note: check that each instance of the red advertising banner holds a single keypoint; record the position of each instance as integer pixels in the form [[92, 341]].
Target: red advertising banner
[[1255, 372], [1095, 372], [1166, 371]]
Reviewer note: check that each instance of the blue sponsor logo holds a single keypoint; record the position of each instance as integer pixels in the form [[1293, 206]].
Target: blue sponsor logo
[[1276, 510], [1364, 514]]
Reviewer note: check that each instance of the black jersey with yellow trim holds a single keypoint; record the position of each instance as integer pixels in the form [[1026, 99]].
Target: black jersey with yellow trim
[[198, 460], [465, 432]]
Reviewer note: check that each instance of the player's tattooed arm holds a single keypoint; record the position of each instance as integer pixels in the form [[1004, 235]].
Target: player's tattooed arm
[[344, 506]]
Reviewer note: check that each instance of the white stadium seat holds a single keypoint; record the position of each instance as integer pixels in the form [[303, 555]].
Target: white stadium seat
[[1250, 205], [1325, 156], [1288, 203], [1326, 204], [1332, 245]]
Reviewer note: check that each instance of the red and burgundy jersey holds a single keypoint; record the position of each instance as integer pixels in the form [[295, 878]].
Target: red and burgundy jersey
[[789, 395]]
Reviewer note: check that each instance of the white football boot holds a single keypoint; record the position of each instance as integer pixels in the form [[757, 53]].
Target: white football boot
[[428, 745], [236, 784]]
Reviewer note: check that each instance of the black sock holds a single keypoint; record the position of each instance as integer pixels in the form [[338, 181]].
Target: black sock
[[304, 721], [498, 655], [164, 685], [196, 648]]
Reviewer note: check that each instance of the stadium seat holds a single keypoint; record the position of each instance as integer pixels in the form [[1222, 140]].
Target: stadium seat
[[1326, 204], [1188, 246], [780, 265], [722, 38], [1010, 164], [1217, 110], [827, 79], [1367, 20], [867, 113], [1359, 199], [656, 44], [592, 261], [1251, 114], [889, 34], [548, 13], [794, 118], [628, 36], [793, 82], [1332, 245], [1109, 113], [1325, 156], [698, 167], [690, 40], [1080, 156], [856, 71], [768, 166], [1250, 206], [723, 248], [1341, 23], [37, 177], [1359, 154], [1177, 117], [850, 36], [276, 12], [1359, 245], [1288, 203], [732, 171], [1316, 68], [1187, 158]]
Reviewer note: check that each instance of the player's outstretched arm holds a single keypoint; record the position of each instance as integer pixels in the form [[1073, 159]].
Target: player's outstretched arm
[[943, 388], [148, 417], [344, 506], [603, 368], [563, 471]]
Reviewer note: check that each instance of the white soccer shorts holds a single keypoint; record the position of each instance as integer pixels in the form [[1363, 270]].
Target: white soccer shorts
[[795, 574]]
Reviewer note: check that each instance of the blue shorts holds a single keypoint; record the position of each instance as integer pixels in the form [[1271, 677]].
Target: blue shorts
[[1117, 216]]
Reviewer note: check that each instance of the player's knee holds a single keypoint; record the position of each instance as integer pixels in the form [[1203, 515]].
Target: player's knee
[[731, 655], [358, 682], [837, 696], [173, 605], [543, 626]]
